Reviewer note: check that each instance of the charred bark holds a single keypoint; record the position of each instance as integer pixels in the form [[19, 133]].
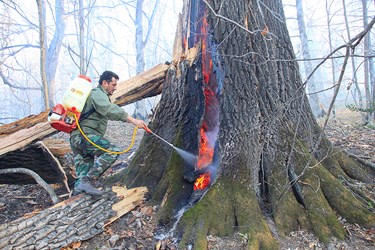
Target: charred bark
[[267, 168]]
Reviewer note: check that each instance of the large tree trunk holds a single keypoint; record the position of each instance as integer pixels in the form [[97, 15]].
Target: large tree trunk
[[237, 101]]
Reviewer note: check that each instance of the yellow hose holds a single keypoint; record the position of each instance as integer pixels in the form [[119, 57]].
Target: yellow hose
[[104, 149]]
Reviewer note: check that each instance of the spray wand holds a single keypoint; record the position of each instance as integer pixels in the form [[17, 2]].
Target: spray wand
[[170, 144]]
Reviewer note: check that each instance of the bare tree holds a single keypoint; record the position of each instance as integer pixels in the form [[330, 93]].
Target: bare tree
[[333, 64], [54, 48], [369, 86], [141, 41], [357, 90], [311, 86], [43, 50]]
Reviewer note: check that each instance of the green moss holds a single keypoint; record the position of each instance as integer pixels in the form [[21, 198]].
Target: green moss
[[172, 189], [317, 214], [343, 200], [228, 207]]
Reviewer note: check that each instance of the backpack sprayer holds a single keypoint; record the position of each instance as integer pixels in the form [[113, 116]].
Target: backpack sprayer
[[63, 117]]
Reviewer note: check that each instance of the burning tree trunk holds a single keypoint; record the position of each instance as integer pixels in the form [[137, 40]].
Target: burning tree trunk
[[241, 107]]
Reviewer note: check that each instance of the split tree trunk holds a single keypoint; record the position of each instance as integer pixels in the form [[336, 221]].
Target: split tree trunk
[[269, 166]]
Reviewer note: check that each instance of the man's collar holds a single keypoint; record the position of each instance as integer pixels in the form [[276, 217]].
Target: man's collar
[[101, 87]]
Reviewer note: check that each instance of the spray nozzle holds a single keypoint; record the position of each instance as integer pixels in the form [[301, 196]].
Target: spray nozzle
[[148, 130]]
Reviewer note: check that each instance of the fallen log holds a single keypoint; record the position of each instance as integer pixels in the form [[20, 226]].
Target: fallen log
[[76, 219], [146, 84]]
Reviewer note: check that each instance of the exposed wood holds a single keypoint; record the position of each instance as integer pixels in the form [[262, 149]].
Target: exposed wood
[[24, 137], [178, 48], [58, 147], [36, 177], [55, 163], [76, 219], [24, 123], [134, 197]]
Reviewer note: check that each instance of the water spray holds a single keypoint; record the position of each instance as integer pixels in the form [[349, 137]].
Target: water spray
[[189, 157]]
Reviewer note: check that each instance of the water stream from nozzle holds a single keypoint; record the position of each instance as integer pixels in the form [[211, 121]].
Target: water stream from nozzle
[[188, 157]]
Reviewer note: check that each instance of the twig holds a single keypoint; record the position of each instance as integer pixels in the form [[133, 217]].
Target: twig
[[36, 177]]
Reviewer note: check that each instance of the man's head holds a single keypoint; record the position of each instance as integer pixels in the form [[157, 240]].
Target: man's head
[[108, 80]]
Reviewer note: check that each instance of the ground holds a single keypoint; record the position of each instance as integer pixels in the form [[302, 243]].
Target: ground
[[138, 230]]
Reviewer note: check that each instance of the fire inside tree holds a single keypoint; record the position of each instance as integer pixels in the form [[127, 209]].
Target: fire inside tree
[[210, 122]]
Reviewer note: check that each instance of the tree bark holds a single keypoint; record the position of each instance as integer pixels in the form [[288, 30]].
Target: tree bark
[[241, 94], [76, 219]]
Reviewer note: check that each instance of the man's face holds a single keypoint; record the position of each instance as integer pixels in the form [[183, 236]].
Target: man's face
[[111, 86]]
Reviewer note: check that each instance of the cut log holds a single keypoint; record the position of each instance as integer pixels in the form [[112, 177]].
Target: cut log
[[76, 219]]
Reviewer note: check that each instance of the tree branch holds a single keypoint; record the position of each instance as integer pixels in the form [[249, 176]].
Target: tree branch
[[36, 177]]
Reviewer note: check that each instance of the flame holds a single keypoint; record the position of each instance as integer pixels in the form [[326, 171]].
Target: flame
[[206, 147], [206, 151], [203, 181], [184, 44]]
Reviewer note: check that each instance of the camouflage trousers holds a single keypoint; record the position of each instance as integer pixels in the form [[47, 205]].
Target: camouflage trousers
[[89, 160]]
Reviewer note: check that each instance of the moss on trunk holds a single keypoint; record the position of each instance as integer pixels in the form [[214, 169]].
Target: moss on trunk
[[228, 207], [317, 197]]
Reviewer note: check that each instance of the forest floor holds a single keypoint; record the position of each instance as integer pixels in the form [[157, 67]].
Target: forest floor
[[138, 229]]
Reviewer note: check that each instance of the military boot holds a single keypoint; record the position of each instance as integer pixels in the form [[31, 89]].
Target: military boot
[[86, 185]]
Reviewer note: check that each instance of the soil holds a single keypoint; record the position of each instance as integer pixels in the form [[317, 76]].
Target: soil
[[138, 229]]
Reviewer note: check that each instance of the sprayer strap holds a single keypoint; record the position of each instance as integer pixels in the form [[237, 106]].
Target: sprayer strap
[[85, 115]]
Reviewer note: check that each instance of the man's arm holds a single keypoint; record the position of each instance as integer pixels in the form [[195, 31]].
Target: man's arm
[[138, 122]]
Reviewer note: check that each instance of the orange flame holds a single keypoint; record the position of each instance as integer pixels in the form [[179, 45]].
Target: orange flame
[[206, 151], [202, 182], [206, 148]]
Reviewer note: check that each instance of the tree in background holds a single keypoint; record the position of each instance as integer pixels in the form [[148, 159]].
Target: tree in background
[[369, 73], [357, 93], [141, 41], [311, 84]]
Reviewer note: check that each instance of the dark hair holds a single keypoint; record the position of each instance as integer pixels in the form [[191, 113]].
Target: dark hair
[[107, 76]]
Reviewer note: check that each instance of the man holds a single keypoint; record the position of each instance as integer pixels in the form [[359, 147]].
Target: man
[[90, 161]]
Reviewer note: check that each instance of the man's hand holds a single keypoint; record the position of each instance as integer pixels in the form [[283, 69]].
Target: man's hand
[[139, 123]]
